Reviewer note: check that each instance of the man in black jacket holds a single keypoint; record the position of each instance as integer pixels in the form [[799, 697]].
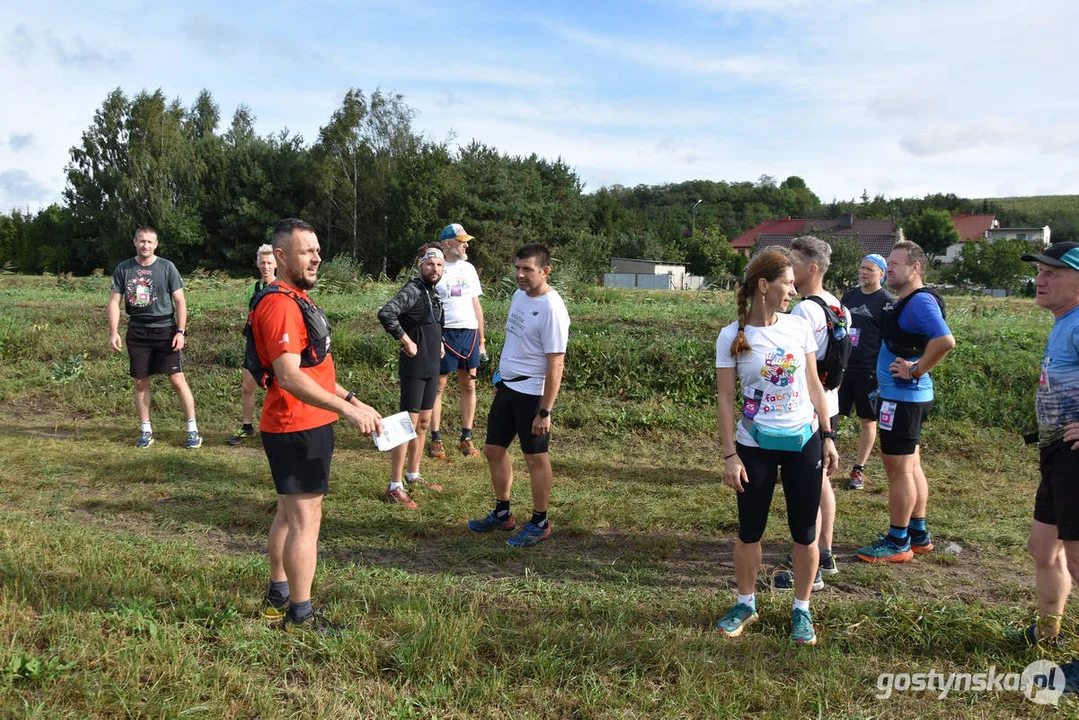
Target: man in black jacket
[[414, 318]]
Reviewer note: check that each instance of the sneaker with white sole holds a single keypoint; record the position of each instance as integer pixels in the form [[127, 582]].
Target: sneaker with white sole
[[802, 631], [194, 440], [737, 619], [145, 440]]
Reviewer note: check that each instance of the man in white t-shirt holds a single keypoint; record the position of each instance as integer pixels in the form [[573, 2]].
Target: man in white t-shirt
[[526, 385], [810, 258], [462, 336]]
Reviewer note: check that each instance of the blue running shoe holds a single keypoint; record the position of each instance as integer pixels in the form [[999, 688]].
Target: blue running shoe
[[737, 619], [1071, 677], [802, 627], [784, 580], [145, 440], [492, 522], [529, 534], [194, 440], [885, 550], [920, 542]]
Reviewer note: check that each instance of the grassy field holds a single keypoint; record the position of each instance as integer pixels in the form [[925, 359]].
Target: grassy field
[[130, 580]]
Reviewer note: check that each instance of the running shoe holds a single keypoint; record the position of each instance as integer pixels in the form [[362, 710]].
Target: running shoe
[[885, 550], [828, 565], [802, 627], [737, 619], [492, 522], [401, 497], [1071, 677], [920, 543], [467, 448], [420, 482], [239, 436], [145, 440], [436, 450], [784, 580], [856, 481], [273, 610], [529, 534], [313, 624], [1029, 636], [194, 440]]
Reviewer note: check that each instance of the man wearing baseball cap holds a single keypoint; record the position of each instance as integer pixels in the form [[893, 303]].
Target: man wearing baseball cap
[[462, 336], [1054, 536], [866, 304]]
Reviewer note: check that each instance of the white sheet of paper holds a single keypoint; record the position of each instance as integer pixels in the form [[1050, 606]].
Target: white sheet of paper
[[396, 429]]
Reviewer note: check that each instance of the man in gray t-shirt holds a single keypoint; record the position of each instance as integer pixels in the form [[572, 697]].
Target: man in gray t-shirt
[[153, 294]]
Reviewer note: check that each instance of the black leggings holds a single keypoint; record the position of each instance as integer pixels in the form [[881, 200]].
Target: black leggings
[[802, 477]]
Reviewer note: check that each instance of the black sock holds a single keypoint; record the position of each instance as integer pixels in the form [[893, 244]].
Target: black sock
[[466, 434], [859, 467], [278, 592], [502, 508], [300, 611], [436, 436], [539, 519]]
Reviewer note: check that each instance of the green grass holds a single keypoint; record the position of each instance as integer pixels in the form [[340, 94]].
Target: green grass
[[130, 580]]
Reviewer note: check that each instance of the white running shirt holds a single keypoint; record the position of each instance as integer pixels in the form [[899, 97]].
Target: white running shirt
[[459, 284], [772, 373], [535, 326], [814, 313]]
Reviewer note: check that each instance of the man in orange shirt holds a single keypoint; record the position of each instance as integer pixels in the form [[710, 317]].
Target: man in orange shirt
[[292, 337]]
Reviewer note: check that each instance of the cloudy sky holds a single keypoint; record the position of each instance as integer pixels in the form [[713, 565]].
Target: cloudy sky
[[899, 97]]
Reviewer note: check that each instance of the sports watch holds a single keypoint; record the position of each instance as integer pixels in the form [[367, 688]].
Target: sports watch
[[827, 435], [543, 413]]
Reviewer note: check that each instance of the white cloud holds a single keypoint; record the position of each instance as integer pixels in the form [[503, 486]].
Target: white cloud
[[20, 141]]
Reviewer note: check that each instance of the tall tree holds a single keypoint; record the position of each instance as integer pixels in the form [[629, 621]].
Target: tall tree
[[933, 230]]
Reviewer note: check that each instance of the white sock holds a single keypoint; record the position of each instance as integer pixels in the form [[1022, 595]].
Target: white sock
[[396, 486], [192, 426], [146, 427], [750, 600], [801, 604], [411, 476]]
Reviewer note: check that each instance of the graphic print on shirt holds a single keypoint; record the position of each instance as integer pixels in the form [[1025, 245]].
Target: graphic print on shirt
[[140, 290], [779, 368], [460, 287]]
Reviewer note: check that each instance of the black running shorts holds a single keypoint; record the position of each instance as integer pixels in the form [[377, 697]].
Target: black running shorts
[[512, 414], [300, 461], [149, 350], [900, 426], [418, 393], [1057, 500], [854, 394]]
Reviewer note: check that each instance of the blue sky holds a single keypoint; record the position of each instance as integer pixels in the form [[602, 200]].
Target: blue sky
[[900, 98]]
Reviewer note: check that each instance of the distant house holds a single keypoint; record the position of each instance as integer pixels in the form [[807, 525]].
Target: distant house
[[653, 274], [975, 228], [875, 236]]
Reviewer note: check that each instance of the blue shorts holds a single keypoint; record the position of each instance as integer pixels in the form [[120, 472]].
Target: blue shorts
[[462, 350]]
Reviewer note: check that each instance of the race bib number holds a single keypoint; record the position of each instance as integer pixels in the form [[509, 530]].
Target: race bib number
[[855, 336], [750, 405], [887, 414]]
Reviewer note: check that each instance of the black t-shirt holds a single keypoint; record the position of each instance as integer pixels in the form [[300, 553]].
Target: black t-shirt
[[866, 312]]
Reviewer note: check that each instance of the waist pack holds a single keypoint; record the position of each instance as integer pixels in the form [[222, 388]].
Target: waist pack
[[792, 440]]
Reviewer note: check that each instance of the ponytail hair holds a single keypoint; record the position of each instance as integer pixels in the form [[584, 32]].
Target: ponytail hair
[[767, 265]]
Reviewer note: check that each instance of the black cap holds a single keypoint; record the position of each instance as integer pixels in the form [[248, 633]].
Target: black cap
[[1062, 254]]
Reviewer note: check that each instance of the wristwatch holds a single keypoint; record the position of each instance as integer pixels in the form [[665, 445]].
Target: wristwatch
[[827, 435], [914, 372], [543, 413], [182, 332]]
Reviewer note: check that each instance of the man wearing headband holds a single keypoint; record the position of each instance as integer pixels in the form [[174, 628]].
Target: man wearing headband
[[414, 318], [1054, 536], [866, 303], [462, 335]]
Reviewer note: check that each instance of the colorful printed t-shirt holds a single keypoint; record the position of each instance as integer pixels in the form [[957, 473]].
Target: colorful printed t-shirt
[[1057, 399], [147, 291], [774, 391], [278, 327]]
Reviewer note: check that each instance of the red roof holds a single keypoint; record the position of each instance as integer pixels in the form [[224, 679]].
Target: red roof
[[972, 227], [786, 226]]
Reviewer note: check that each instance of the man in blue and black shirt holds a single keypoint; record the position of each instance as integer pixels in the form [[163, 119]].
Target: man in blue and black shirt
[[914, 338]]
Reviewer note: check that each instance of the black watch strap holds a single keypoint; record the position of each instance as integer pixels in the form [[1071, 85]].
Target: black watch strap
[[827, 434], [543, 413]]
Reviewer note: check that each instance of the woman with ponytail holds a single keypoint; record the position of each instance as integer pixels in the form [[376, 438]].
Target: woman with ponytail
[[782, 432]]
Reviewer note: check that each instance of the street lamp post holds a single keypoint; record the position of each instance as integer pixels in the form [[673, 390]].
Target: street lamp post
[[693, 228]]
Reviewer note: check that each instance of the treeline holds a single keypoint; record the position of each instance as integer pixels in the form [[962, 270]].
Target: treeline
[[376, 189]]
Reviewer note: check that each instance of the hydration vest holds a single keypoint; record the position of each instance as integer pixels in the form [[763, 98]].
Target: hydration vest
[[900, 342], [318, 335]]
